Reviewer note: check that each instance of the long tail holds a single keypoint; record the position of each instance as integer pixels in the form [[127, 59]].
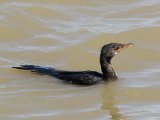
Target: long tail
[[75, 77], [39, 70]]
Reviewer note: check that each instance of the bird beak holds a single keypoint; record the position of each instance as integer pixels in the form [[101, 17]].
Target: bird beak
[[128, 45], [124, 46]]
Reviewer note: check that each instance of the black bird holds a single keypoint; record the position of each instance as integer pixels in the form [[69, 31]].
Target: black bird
[[84, 77]]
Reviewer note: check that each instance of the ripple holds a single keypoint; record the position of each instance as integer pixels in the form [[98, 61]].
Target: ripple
[[69, 24], [146, 78], [141, 110], [57, 112], [98, 23]]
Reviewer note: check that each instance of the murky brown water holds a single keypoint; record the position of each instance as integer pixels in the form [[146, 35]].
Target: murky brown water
[[69, 35]]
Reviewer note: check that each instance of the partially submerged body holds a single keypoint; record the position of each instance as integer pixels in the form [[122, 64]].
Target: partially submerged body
[[84, 77]]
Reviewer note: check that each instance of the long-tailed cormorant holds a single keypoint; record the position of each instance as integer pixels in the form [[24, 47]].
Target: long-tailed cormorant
[[84, 77]]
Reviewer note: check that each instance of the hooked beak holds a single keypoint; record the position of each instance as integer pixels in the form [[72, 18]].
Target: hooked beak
[[120, 48]]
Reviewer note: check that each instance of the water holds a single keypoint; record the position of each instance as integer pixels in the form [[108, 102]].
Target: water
[[69, 35]]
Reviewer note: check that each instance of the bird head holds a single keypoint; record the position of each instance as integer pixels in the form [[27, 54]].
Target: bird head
[[110, 50]]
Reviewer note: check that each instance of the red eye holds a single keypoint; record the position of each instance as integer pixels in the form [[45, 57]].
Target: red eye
[[119, 47]]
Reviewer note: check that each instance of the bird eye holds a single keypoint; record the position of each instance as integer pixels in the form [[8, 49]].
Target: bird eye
[[117, 48]]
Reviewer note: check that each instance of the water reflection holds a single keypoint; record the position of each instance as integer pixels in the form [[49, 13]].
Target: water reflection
[[110, 103]]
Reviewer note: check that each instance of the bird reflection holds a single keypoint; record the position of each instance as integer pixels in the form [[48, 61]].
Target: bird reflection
[[109, 101]]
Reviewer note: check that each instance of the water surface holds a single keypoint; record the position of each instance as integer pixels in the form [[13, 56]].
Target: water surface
[[69, 35]]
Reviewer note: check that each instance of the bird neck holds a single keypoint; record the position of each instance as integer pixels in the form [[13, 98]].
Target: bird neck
[[106, 67]]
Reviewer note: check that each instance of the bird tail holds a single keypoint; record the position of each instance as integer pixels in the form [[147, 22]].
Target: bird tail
[[39, 70]]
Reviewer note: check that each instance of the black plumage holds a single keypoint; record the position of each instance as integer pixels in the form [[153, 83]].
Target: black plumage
[[84, 77]]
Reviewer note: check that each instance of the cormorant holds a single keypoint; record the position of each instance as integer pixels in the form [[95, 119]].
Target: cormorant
[[84, 77]]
